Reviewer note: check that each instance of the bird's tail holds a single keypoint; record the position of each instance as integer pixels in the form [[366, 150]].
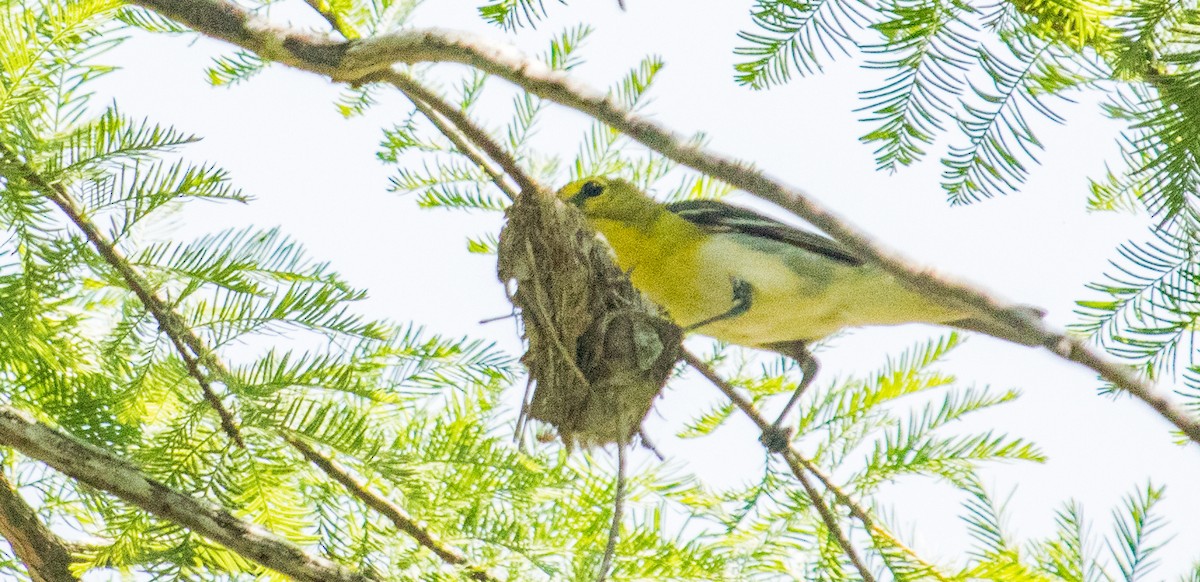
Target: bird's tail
[[999, 330]]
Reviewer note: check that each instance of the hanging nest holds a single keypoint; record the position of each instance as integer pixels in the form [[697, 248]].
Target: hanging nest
[[598, 352]]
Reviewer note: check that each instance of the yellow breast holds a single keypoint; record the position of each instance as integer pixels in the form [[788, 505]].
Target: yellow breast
[[796, 295]]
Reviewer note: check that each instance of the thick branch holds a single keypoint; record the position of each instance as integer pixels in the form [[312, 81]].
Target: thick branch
[[356, 61], [103, 470], [389, 510], [46, 556]]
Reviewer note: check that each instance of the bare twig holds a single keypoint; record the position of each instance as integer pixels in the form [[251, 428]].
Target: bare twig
[[827, 515], [393, 512], [466, 128], [46, 556], [101, 469], [798, 464], [614, 532], [355, 61], [835, 529], [465, 135], [189, 346]]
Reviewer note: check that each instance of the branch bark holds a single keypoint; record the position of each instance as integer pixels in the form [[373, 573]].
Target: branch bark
[[358, 60], [393, 512], [103, 470], [189, 346], [46, 556], [827, 516], [798, 464]]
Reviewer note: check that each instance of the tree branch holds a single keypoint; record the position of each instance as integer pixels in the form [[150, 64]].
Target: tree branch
[[449, 120], [465, 134], [827, 516], [358, 60], [101, 469], [46, 556], [798, 464], [389, 510], [189, 346], [614, 531]]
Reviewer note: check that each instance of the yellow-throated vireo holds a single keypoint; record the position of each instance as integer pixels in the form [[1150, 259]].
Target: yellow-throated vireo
[[737, 276]]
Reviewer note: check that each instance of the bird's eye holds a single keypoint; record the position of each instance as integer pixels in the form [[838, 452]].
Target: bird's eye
[[591, 189]]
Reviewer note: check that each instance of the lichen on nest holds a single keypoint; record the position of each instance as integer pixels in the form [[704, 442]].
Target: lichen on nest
[[598, 353]]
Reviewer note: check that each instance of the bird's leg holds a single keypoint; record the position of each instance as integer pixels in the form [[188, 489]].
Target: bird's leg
[[776, 438], [743, 297]]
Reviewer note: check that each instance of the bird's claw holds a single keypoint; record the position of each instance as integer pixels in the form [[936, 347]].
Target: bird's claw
[[776, 438]]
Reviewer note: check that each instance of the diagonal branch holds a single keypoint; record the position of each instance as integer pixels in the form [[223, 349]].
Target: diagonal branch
[[101, 469], [189, 346], [393, 512], [449, 120], [466, 135], [827, 516], [358, 60], [798, 464], [46, 556]]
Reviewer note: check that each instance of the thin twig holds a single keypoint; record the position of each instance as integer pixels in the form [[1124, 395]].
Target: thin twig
[[748, 409], [451, 122], [614, 532], [835, 529], [461, 129], [103, 470], [798, 463], [46, 556], [464, 134], [393, 512], [359, 60], [189, 346], [322, 8]]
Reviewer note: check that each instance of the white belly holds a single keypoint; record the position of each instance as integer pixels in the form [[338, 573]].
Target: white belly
[[806, 297]]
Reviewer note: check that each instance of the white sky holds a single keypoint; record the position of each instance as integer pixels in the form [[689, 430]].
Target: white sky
[[315, 174]]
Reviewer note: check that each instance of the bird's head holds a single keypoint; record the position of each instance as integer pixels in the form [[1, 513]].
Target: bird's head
[[609, 199]]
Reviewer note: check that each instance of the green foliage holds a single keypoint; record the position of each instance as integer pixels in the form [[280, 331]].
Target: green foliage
[[1019, 59], [1000, 140], [927, 50], [858, 429], [988, 78], [1136, 525], [411, 412], [513, 14], [1148, 304], [1072, 552], [423, 420], [235, 68], [795, 37]]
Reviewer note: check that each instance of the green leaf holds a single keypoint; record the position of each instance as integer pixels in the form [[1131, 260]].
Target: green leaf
[[795, 37]]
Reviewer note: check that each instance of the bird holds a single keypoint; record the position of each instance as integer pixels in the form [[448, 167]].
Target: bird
[[735, 275]]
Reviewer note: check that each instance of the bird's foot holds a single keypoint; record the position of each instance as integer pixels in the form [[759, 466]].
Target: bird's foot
[[776, 438]]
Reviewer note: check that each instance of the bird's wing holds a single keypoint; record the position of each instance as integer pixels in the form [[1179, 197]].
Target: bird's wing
[[716, 217]]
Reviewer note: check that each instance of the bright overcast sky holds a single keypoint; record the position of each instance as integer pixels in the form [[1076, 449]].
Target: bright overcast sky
[[315, 174]]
